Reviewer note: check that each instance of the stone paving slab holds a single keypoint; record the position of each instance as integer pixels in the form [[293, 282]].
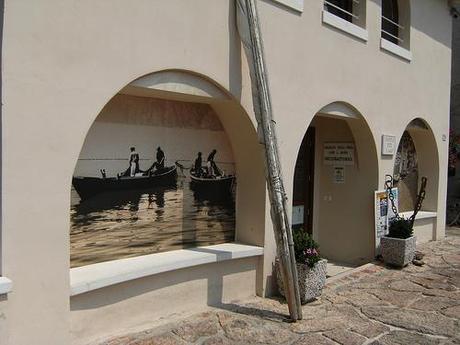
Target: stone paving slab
[[375, 305]]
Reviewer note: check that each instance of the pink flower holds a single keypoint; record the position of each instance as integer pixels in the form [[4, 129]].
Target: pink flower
[[309, 251]]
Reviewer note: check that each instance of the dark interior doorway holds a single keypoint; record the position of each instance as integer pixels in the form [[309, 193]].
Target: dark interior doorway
[[304, 183]]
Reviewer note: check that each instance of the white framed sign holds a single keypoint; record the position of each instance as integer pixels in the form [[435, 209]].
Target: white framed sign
[[383, 212], [388, 145], [297, 214], [339, 174], [339, 154]]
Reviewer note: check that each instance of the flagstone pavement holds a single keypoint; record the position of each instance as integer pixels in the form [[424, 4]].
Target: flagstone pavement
[[377, 305]]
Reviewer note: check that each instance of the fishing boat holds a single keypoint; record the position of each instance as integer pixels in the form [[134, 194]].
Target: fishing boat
[[87, 187], [218, 185]]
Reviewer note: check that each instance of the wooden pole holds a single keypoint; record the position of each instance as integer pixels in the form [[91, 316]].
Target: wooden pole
[[251, 37]]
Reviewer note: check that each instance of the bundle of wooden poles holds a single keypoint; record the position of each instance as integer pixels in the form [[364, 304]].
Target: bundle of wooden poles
[[249, 30]]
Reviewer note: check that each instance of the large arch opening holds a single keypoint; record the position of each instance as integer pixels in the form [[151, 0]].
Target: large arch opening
[[417, 157], [336, 174], [147, 137]]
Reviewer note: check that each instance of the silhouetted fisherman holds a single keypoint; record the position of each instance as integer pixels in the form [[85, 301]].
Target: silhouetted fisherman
[[213, 170], [133, 163], [198, 171], [159, 163], [160, 158]]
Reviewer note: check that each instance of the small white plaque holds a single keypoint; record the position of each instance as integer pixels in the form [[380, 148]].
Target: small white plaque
[[339, 174], [297, 214], [388, 145]]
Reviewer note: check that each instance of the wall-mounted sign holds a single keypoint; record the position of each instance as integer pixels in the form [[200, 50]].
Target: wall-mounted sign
[[339, 153], [388, 145], [297, 215], [384, 212], [339, 174], [381, 212]]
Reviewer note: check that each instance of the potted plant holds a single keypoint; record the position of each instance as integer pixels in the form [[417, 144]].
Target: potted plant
[[398, 247], [311, 268], [454, 151]]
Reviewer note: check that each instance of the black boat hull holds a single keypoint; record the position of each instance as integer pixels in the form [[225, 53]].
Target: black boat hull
[[86, 187], [212, 186]]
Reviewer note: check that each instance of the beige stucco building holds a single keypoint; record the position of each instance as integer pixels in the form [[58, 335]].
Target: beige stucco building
[[65, 63]]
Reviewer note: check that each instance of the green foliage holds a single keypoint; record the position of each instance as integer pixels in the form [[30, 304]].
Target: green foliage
[[306, 249], [400, 228]]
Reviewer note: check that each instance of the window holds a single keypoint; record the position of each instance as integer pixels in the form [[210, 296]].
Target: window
[[340, 8], [390, 21], [352, 11], [396, 24], [347, 15]]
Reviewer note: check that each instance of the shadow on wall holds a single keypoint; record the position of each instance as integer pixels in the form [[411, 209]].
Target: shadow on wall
[[214, 275]]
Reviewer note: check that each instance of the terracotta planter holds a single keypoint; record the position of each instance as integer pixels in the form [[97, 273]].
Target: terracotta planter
[[396, 251], [311, 280]]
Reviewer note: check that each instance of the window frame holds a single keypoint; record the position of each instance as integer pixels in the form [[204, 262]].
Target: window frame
[[396, 40], [355, 26]]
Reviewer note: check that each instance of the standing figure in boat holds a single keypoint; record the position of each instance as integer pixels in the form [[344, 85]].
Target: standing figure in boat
[[133, 163], [213, 170], [159, 164], [198, 166], [160, 158]]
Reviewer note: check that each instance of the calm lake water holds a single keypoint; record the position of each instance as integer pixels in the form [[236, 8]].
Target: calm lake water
[[118, 225]]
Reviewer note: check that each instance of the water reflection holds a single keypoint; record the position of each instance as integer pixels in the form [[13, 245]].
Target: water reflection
[[131, 223]]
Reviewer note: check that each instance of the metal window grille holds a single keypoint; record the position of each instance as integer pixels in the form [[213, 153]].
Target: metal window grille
[[391, 29], [396, 28], [341, 9]]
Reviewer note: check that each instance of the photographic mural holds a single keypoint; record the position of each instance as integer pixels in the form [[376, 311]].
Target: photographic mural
[[406, 173], [153, 175]]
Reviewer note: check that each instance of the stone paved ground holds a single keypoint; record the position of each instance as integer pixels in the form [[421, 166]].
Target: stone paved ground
[[378, 306]]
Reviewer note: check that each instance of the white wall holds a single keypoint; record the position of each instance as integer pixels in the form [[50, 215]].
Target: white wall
[[64, 60]]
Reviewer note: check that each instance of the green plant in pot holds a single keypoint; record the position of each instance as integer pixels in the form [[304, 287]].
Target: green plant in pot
[[398, 247], [400, 228], [311, 268]]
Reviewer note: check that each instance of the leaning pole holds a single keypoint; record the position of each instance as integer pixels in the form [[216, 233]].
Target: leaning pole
[[249, 30]]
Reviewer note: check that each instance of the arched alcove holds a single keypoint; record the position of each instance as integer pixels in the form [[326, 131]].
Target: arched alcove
[[418, 136], [336, 174], [183, 113], [418, 157]]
